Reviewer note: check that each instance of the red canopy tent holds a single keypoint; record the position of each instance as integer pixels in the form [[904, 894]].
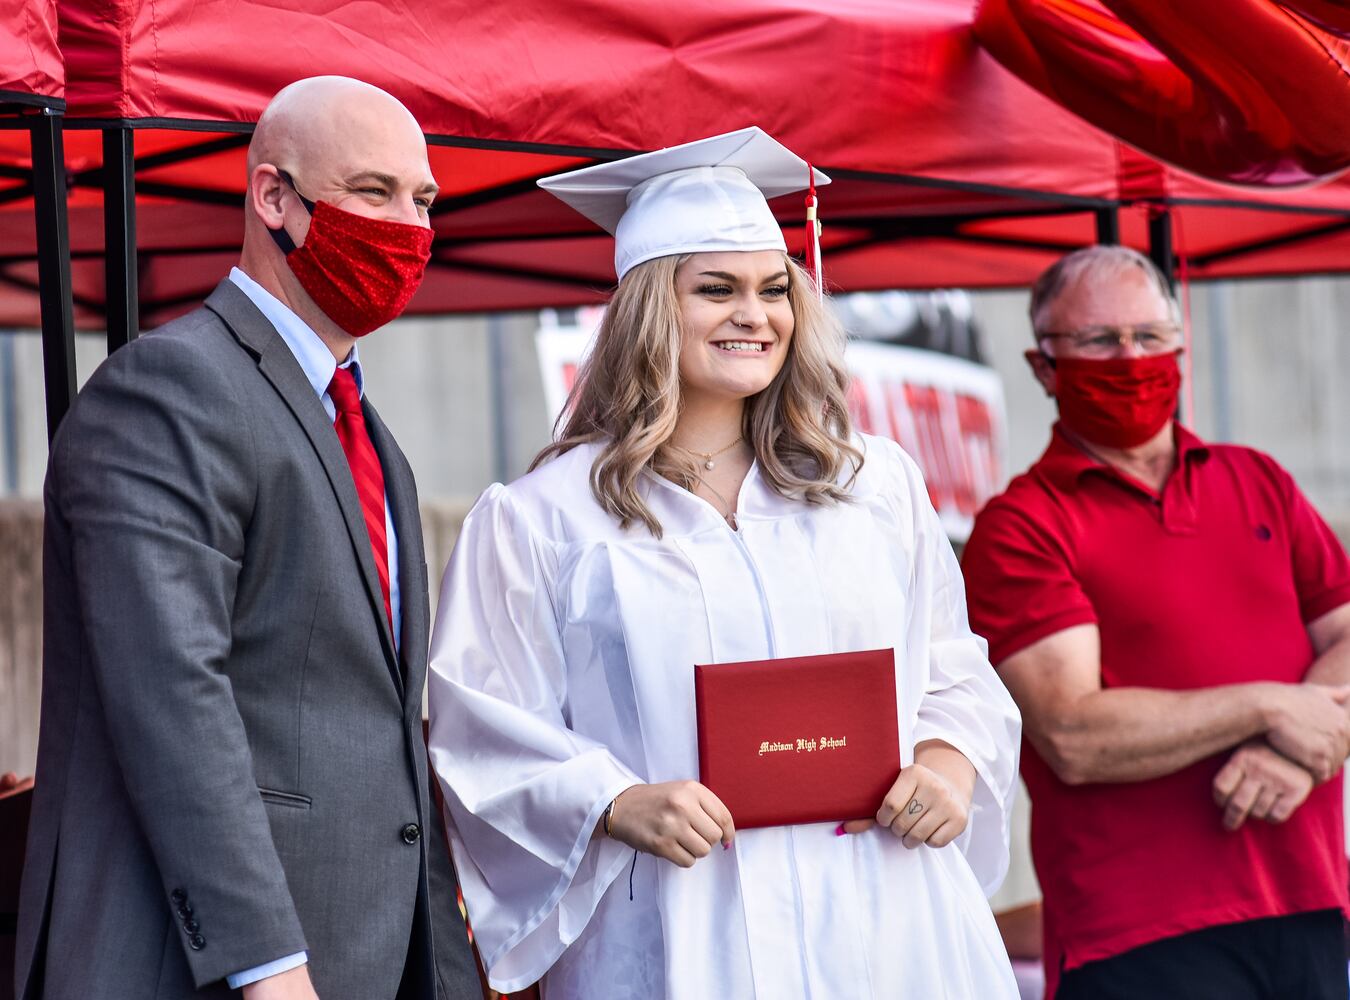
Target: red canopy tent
[[949, 170], [31, 71]]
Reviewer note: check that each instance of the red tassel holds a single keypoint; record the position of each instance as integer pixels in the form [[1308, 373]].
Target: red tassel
[[812, 253]]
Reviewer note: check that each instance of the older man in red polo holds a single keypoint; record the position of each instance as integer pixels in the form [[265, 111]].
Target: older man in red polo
[[1173, 619]]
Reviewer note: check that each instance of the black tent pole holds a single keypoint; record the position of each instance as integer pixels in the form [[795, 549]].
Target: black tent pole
[[119, 237], [1108, 225], [1160, 244], [53, 245]]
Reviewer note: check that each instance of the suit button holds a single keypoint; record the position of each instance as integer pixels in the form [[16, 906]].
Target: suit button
[[196, 942], [411, 833], [184, 910], [191, 926], [178, 896]]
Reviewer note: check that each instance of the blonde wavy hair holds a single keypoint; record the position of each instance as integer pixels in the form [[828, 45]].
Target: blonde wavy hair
[[627, 394]]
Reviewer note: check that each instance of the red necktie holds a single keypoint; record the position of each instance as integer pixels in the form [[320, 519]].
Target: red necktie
[[350, 425]]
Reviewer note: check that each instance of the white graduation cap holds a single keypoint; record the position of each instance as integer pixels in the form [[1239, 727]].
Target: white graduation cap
[[701, 196]]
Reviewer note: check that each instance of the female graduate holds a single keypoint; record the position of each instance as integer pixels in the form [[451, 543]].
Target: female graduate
[[706, 502]]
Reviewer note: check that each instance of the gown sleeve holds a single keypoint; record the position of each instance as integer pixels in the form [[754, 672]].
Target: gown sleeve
[[964, 702], [522, 790]]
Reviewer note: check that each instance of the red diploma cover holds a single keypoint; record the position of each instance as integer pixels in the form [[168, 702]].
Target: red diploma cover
[[805, 739]]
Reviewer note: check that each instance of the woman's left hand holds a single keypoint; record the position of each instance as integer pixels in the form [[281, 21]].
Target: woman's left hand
[[930, 800]]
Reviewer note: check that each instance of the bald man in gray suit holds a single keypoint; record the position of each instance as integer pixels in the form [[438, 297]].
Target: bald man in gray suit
[[232, 786]]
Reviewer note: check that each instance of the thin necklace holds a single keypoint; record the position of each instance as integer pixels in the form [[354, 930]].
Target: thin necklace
[[708, 456], [729, 515]]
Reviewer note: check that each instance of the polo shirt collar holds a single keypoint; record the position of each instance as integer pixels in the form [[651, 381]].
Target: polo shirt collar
[[1064, 463]]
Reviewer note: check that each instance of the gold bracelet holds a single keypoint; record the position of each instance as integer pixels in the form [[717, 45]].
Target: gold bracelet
[[609, 818]]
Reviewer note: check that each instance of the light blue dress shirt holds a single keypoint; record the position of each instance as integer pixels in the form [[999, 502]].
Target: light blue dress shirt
[[318, 364]]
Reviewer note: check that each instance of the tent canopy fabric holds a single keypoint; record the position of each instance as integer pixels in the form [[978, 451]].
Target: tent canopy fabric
[[32, 73], [949, 171]]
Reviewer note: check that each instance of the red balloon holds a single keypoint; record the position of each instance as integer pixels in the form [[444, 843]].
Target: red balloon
[[1330, 15], [1245, 91]]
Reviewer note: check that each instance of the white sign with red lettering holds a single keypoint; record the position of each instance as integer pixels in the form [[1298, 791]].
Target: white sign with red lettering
[[946, 412], [561, 347]]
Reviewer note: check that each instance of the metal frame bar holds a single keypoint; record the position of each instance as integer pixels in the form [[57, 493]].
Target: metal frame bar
[[192, 193], [12, 101], [1108, 226], [585, 281], [164, 158], [1068, 201], [946, 227], [30, 285], [90, 253], [1271, 243], [120, 267], [53, 241], [1244, 203], [1160, 243], [486, 196], [19, 193], [195, 151]]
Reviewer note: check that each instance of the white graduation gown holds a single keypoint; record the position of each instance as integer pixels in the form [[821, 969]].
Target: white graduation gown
[[562, 672]]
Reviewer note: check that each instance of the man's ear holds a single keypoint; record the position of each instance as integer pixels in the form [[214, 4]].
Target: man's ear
[[1042, 369], [265, 192]]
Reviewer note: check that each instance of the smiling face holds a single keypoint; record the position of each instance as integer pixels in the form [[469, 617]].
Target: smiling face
[[736, 323]]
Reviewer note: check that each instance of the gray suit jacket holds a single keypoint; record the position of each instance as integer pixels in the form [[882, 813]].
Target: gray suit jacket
[[231, 765]]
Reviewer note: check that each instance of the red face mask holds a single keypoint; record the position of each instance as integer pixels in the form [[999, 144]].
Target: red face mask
[[361, 272], [1117, 402]]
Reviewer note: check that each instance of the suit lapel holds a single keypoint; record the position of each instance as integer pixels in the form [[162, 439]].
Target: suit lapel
[[278, 366], [401, 490]]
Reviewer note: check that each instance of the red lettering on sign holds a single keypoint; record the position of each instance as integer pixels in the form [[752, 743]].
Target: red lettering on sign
[[978, 439], [860, 406], [925, 405], [902, 424]]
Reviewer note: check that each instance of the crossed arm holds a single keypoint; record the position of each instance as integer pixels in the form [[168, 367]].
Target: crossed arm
[[1288, 735]]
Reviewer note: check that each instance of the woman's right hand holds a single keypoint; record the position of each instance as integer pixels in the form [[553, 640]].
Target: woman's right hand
[[676, 820]]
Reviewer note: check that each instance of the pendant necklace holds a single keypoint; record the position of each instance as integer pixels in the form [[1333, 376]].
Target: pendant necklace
[[708, 456]]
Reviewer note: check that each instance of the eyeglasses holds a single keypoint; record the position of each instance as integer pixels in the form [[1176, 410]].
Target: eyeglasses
[[1110, 341]]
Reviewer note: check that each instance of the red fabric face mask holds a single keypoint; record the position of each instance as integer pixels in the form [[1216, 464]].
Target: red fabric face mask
[[1117, 402], [361, 272]]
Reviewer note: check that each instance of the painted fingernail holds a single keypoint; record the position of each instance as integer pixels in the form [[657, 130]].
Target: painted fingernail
[[839, 830], [726, 847]]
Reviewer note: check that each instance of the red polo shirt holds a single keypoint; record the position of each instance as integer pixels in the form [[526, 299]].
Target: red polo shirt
[[1212, 582]]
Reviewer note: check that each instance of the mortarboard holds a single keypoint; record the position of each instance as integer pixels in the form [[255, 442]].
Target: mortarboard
[[701, 196]]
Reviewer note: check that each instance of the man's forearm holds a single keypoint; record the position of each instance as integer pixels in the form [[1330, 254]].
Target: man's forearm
[[1333, 666], [1134, 734]]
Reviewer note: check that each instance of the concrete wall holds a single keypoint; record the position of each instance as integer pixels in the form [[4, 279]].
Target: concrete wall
[[463, 397]]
